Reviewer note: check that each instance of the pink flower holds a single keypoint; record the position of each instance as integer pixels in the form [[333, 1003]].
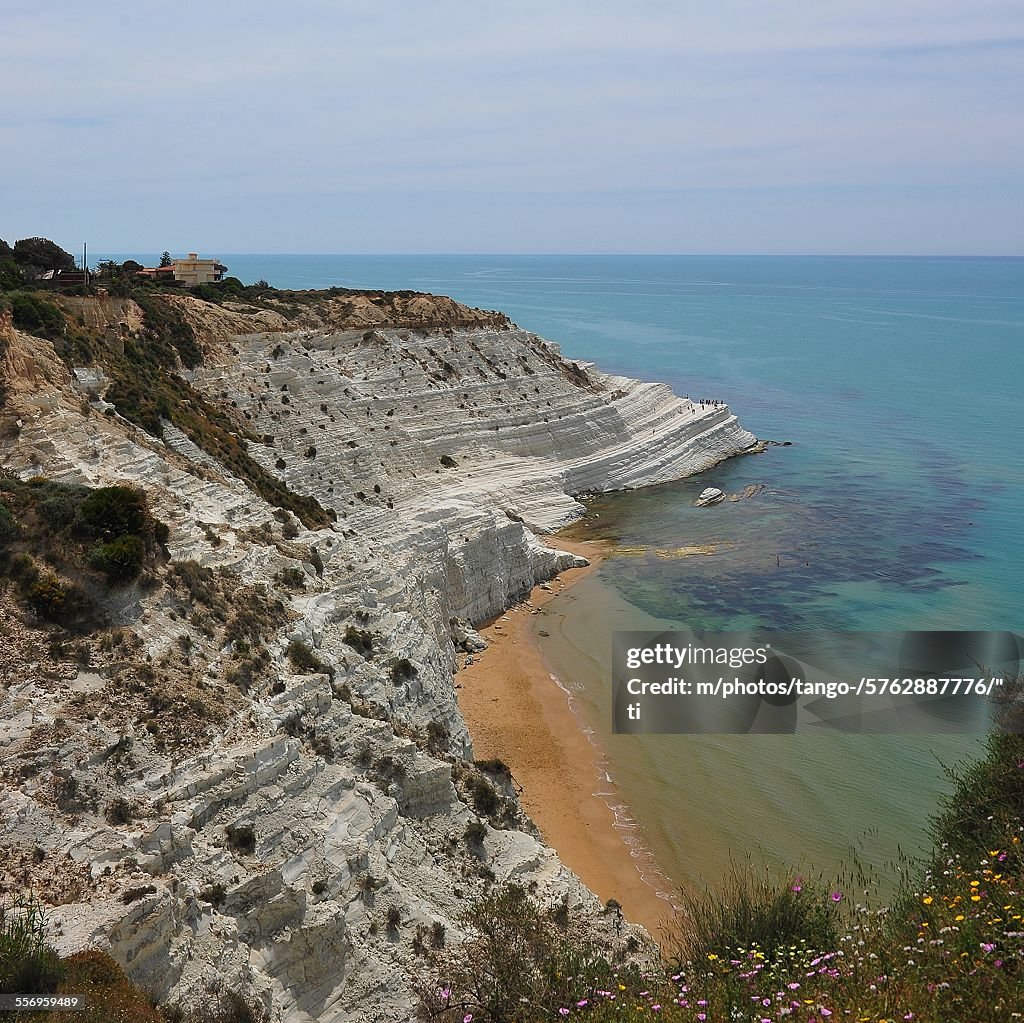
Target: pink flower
[[563, 1011], [581, 1003], [468, 1018], [445, 993], [837, 896], [826, 1012]]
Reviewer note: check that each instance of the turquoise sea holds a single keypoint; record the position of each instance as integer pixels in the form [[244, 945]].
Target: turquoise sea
[[898, 506]]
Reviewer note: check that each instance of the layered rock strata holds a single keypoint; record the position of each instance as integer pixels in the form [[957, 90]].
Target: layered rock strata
[[300, 839]]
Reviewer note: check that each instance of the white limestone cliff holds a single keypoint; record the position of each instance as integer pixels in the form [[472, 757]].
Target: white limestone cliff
[[264, 849]]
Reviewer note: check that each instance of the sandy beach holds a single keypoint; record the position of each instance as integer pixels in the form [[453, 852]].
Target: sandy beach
[[516, 711]]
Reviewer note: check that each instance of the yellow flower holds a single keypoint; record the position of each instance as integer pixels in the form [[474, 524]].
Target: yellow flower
[[975, 898], [974, 884], [712, 956], [959, 916], [927, 900]]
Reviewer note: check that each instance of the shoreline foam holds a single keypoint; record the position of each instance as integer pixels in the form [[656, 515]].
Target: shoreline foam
[[518, 711]]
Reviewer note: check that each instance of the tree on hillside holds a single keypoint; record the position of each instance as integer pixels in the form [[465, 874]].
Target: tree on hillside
[[40, 254], [10, 273], [111, 270], [107, 269], [165, 259]]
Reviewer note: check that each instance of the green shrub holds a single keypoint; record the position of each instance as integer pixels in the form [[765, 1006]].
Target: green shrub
[[41, 254], [486, 801], [59, 504], [36, 315], [168, 334], [56, 601], [302, 658], [8, 524], [119, 560], [109, 512], [986, 802], [119, 811], [11, 275], [359, 639], [241, 838], [752, 909], [208, 293], [517, 965], [27, 965]]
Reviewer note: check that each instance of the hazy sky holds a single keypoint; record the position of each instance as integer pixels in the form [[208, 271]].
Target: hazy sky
[[566, 126]]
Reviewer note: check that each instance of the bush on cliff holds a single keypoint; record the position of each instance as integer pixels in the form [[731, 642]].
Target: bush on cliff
[[75, 531], [35, 315], [109, 512], [119, 560], [518, 965], [27, 964], [8, 524]]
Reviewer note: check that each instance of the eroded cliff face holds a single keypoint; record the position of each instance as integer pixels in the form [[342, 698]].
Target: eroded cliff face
[[249, 802]]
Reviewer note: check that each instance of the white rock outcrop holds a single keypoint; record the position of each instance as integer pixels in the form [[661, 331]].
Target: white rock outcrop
[[267, 855]]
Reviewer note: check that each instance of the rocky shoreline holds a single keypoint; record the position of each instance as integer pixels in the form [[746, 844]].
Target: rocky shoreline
[[297, 837]]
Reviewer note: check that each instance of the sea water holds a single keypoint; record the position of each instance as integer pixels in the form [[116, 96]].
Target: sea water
[[897, 506]]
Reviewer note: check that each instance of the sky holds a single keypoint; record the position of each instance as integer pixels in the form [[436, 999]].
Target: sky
[[572, 126]]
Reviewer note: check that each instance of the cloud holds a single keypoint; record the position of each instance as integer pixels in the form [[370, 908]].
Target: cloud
[[150, 107]]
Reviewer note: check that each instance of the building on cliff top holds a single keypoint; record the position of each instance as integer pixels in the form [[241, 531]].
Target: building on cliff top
[[190, 271]]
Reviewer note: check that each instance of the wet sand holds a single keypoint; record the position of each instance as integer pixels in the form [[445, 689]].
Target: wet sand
[[517, 712]]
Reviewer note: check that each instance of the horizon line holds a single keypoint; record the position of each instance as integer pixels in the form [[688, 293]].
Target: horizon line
[[649, 255]]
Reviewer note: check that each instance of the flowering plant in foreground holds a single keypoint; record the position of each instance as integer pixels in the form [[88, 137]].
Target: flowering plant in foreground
[[950, 950]]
